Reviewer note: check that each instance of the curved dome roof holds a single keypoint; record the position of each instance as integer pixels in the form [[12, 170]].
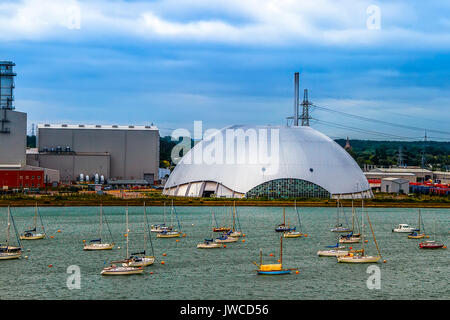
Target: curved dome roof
[[302, 153]]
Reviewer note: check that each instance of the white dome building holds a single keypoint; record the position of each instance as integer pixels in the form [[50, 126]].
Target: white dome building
[[268, 161]]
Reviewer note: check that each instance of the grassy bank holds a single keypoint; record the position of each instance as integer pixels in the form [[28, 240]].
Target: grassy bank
[[155, 199]]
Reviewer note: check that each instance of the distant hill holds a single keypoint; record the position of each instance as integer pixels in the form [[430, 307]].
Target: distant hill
[[386, 153]]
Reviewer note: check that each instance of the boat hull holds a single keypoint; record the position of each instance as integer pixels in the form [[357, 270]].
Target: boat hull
[[121, 271], [332, 253], [340, 229], [227, 240], [145, 261], [10, 255], [358, 259], [169, 235], [273, 273], [33, 237], [209, 245], [430, 246], [98, 246], [293, 234], [349, 240], [419, 236]]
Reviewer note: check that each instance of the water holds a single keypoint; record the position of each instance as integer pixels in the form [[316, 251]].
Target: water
[[190, 273]]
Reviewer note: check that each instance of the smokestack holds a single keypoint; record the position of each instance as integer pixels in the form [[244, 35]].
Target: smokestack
[[296, 98]]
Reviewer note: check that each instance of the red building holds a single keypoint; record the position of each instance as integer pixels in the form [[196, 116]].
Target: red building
[[19, 179]]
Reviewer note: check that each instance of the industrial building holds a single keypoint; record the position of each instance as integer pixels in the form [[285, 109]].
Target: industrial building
[[15, 173], [116, 153], [306, 164]]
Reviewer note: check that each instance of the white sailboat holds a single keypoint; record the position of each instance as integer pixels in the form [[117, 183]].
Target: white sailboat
[[8, 252], [351, 237], [362, 257], [33, 234], [209, 243], [123, 269], [140, 259], [97, 244], [294, 233], [161, 226], [339, 227], [171, 232]]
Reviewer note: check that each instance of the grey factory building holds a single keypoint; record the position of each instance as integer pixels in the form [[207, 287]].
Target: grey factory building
[[115, 152]]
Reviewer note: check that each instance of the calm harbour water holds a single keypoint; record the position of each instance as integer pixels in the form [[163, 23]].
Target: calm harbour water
[[190, 273]]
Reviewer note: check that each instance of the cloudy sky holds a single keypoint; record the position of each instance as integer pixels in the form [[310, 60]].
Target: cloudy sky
[[226, 62]]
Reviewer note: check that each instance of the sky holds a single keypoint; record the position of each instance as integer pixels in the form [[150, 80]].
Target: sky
[[225, 62]]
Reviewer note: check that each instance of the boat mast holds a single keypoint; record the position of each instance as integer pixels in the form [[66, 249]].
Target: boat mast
[[7, 229], [101, 221], [362, 224], [373, 234], [234, 212], [284, 216], [35, 217], [281, 251], [128, 230]]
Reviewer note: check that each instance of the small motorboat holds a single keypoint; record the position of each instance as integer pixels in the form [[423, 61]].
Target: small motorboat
[[404, 228], [431, 244], [209, 244]]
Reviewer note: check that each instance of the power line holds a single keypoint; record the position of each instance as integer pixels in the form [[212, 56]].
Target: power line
[[380, 121], [387, 135]]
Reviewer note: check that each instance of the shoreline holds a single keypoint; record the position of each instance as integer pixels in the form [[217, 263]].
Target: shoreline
[[206, 203]]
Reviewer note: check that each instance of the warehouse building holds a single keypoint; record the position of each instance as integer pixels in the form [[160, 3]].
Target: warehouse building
[[109, 151]]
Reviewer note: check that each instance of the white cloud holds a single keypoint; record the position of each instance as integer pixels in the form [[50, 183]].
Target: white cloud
[[253, 22]]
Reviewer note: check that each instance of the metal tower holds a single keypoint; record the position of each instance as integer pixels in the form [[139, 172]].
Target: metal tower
[[6, 93], [296, 98], [306, 104]]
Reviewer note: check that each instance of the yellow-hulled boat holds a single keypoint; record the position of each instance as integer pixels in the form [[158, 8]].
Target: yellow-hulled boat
[[169, 234], [293, 234], [416, 236], [36, 236], [273, 269]]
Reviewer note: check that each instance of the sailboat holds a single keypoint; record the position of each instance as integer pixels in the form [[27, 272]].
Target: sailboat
[[32, 234], [139, 259], [414, 234], [170, 232], [124, 268], [223, 228], [293, 233], [339, 227], [351, 237], [97, 244], [272, 269], [431, 244], [8, 252], [283, 227], [210, 243], [161, 226], [362, 257]]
